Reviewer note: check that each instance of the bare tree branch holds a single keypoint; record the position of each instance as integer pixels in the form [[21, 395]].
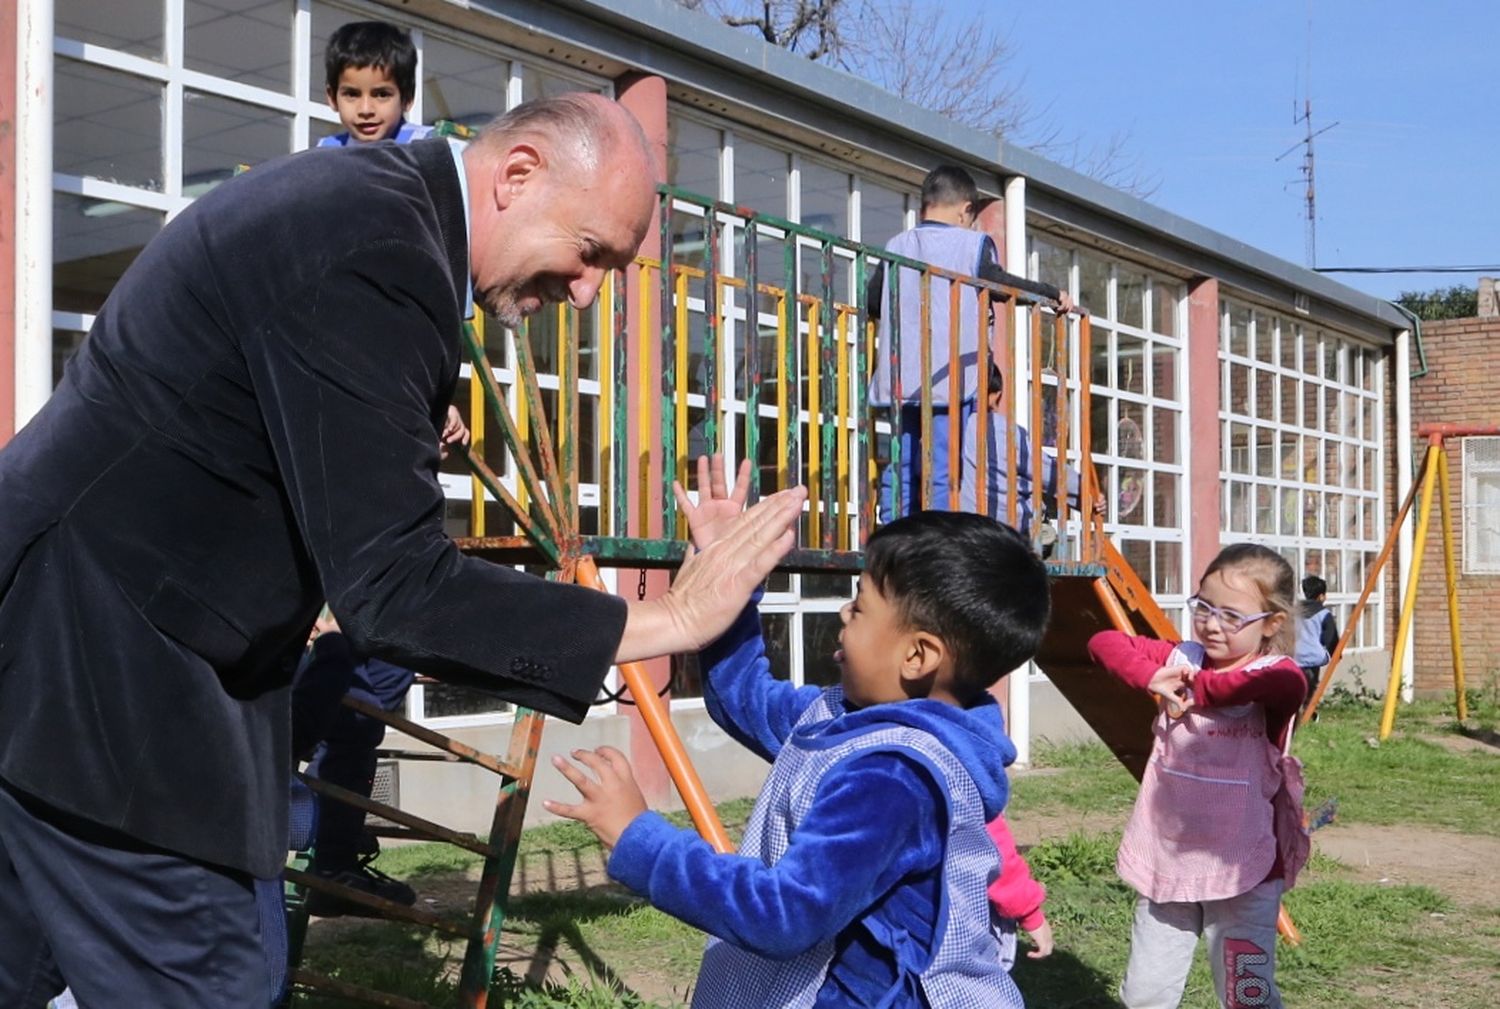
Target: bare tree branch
[[957, 67]]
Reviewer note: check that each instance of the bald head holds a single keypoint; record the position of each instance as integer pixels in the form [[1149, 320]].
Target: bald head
[[561, 191], [581, 131]]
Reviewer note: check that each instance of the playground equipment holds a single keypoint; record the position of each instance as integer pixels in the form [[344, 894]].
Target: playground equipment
[[1433, 473], [683, 356]]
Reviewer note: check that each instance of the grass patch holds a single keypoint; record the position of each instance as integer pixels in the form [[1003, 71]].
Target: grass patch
[[1405, 779], [1366, 943]]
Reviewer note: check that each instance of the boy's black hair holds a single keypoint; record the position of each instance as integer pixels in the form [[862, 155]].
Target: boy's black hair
[[373, 44], [997, 379], [973, 582], [1313, 587], [947, 185]]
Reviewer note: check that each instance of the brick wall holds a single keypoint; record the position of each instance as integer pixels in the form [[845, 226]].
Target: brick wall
[[1463, 359]]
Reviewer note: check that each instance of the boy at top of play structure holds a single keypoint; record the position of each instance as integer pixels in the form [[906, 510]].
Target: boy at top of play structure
[[371, 70], [1216, 835], [945, 238], [862, 876]]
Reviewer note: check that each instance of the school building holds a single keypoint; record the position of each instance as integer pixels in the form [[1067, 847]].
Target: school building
[[1233, 395], [1458, 368]]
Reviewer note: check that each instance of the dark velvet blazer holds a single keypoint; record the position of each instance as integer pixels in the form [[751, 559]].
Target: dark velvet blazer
[[251, 428]]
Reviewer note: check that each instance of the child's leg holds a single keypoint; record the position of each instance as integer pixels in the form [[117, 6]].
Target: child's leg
[[1241, 936], [1162, 942]]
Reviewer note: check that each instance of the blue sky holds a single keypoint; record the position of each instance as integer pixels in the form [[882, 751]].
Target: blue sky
[[1205, 90]]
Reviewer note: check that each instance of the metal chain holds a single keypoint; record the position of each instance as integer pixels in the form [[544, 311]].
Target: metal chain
[[618, 696]]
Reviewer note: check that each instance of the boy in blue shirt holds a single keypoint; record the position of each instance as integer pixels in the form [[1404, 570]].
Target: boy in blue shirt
[[997, 460], [862, 877], [371, 70]]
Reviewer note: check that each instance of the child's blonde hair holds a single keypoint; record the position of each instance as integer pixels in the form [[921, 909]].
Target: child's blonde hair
[[1273, 576]]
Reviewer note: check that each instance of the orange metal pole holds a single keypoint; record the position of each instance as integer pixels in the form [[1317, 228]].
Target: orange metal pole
[[654, 713], [955, 392], [982, 409], [1371, 580]]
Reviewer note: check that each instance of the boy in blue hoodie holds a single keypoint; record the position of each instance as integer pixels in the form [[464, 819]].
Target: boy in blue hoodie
[[862, 877]]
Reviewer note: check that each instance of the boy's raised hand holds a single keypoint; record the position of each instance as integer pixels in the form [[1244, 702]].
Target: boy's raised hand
[[608, 803], [717, 506]]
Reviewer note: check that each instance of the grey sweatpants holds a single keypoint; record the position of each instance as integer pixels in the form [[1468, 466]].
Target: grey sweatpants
[[1241, 937]]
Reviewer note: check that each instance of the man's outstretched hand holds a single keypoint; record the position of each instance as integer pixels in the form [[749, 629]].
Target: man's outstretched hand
[[713, 585]]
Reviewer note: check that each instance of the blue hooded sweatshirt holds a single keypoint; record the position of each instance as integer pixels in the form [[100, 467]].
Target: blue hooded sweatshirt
[[864, 868]]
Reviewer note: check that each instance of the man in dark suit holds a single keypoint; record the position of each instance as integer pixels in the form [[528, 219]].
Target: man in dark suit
[[251, 428]]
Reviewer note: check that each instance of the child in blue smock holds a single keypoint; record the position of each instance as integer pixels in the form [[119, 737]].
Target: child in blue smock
[[862, 877]]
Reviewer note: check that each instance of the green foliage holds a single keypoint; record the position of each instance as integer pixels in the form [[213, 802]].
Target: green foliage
[[1406, 778], [1078, 856], [1456, 302]]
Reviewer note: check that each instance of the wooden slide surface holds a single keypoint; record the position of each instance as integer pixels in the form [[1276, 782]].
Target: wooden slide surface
[[1083, 605]]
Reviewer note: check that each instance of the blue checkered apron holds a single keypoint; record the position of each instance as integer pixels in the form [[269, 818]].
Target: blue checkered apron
[[965, 969]]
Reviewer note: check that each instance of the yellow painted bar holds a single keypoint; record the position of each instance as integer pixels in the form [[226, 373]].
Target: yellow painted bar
[[476, 435], [680, 394], [523, 414], [643, 466], [1409, 600], [814, 409], [561, 421], [606, 414], [1034, 453], [1451, 570], [845, 427], [783, 475]]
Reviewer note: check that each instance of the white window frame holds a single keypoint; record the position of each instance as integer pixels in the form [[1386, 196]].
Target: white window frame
[[1480, 519]]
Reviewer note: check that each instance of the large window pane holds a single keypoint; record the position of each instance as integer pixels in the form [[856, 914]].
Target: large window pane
[[93, 241], [108, 125], [131, 26], [820, 639], [461, 85], [1093, 284], [1130, 298], [537, 83], [825, 198], [249, 41], [882, 214], [760, 176], [1164, 298], [693, 157], [218, 134]]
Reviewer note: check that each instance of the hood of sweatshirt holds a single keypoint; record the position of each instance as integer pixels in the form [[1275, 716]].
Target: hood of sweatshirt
[[974, 735]]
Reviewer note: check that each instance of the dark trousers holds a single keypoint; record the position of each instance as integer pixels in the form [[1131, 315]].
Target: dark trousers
[[1313, 674], [346, 755], [120, 923]]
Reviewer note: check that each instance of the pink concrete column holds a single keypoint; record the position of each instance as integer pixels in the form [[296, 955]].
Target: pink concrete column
[[1203, 424], [8, 43], [645, 97]]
